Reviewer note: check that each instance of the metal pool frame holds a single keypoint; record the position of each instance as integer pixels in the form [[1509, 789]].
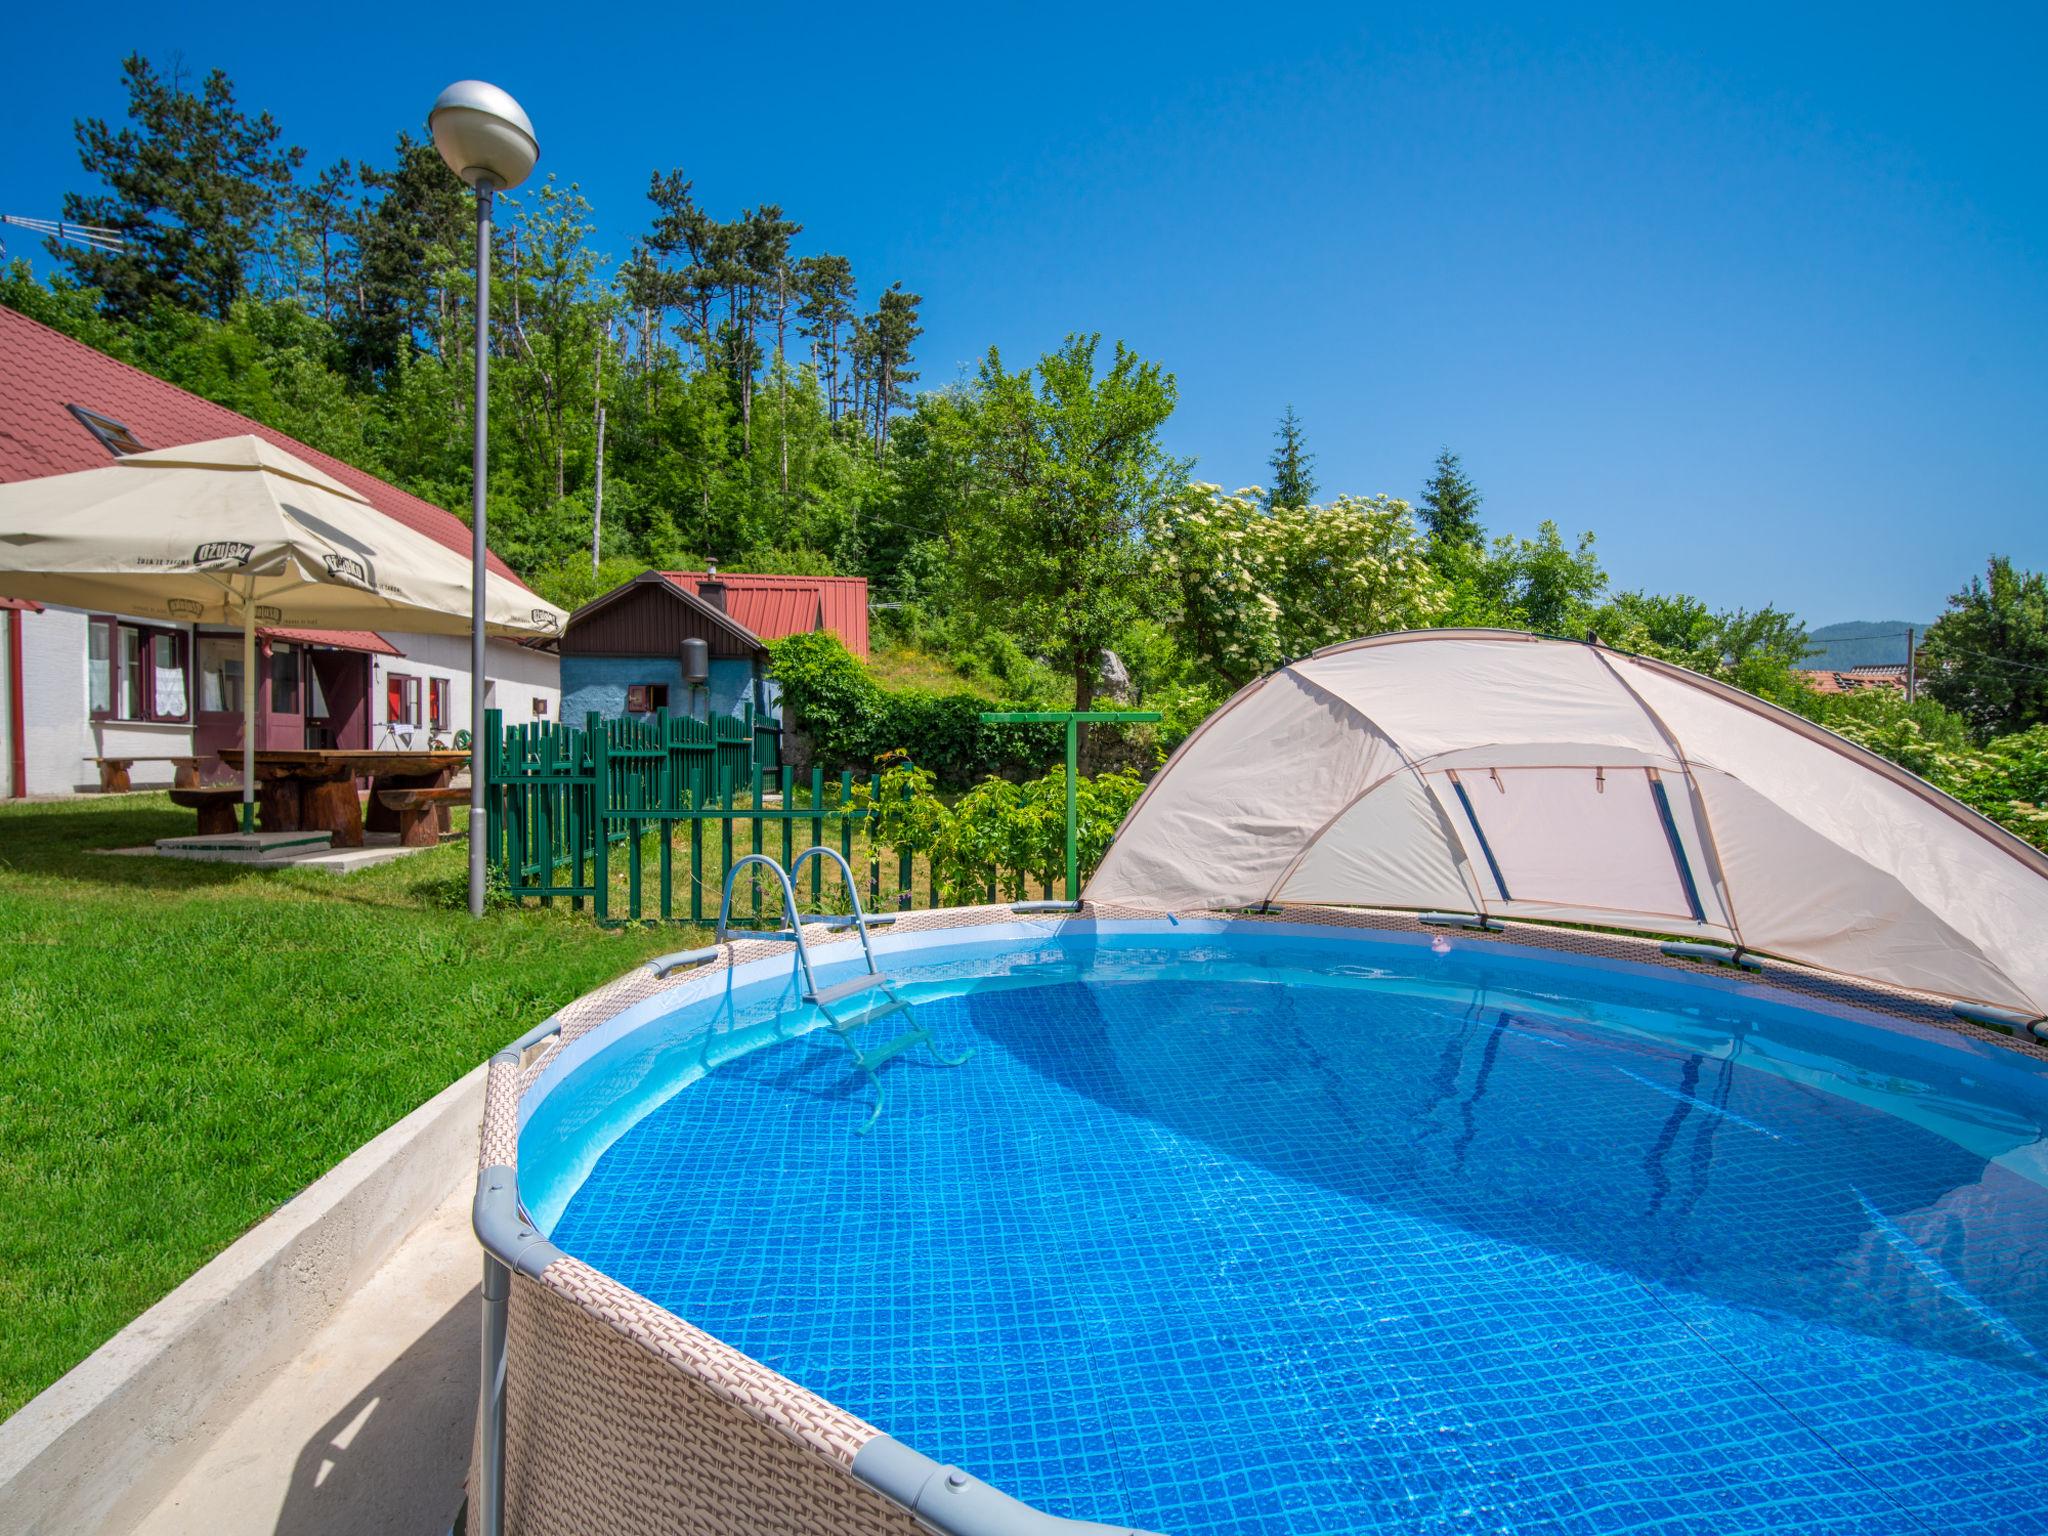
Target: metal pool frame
[[601, 1411]]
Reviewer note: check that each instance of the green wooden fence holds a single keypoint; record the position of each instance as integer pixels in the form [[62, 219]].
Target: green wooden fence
[[641, 820]]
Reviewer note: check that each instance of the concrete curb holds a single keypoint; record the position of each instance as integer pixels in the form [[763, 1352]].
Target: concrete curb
[[101, 1446]]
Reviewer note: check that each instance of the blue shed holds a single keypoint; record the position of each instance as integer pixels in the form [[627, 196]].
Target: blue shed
[[623, 654]]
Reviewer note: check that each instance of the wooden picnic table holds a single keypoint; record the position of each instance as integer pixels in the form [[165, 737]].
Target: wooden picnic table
[[315, 789]]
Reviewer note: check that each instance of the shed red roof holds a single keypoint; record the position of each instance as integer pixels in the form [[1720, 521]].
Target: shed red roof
[[44, 372], [775, 606]]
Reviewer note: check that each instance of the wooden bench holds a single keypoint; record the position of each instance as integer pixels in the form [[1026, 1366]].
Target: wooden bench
[[219, 809], [114, 772], [422, 813]]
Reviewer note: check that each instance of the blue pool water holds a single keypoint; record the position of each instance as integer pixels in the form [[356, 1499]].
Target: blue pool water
[[1216, 1237]]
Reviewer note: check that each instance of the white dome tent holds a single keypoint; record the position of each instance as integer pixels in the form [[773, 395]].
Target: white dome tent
[[1507, 775]]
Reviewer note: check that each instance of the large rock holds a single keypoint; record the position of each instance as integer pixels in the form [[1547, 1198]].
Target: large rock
[[1113, 681]]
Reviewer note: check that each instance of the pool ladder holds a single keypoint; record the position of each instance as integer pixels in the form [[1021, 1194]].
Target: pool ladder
[[874, 996]]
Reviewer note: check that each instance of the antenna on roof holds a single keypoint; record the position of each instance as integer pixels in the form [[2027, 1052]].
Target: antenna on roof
[[93, 236]]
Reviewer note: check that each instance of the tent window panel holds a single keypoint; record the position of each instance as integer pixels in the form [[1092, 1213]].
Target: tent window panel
[[1593, 838]]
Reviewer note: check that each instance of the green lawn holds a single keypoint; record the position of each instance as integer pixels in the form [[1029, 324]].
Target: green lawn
[[186, 1046]]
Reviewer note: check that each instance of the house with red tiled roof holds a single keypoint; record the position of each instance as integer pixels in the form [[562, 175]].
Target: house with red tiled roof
[[1857, 679], [696, 641], [84, 687]]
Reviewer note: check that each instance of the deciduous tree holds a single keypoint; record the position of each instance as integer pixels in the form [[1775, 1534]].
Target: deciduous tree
[[1065, 468], [1986, 658]]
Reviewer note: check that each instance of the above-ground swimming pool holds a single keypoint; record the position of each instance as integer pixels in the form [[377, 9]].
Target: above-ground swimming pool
[[1232, 1227]]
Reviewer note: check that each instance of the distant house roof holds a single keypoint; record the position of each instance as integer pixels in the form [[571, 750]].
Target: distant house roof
[[775, 606], [44, 374], [649, 616], [1856, 679]]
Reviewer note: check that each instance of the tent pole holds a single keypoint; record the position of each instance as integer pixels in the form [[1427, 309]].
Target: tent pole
[[249, 710]]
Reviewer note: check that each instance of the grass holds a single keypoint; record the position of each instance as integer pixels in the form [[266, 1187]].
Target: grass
[[189, 1045], [902, 666]]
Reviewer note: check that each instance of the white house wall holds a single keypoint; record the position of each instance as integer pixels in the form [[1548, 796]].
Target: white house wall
[[62, 738], [517, 677]]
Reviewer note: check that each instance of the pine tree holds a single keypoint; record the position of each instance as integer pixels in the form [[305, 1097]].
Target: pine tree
[[412, 263], [891, 331], [195, 186], [1450, 507], [1293, 484], [825, 295], [321, 216]]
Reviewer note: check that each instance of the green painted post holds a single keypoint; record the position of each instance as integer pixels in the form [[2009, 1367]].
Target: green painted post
[[845, 818], [697, 862], [1073, 719], [906, 878], [874, 853], [1073, 809], [600, 857], [788, 816], [724, 822], [817, 829], [754, 842]]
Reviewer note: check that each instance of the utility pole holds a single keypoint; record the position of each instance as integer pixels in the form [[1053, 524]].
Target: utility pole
[[597, 494], [1912, 668]]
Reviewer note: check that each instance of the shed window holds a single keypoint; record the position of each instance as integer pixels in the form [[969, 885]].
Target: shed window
[[643, 698]]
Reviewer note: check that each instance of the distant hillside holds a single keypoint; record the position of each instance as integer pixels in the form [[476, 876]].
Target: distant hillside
[[1859, 643]]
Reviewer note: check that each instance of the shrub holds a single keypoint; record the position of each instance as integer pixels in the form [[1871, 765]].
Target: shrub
[[853, 721], [999, 837]]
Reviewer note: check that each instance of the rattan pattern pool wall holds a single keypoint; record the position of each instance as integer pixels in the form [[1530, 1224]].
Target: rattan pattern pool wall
[[622, 1417]]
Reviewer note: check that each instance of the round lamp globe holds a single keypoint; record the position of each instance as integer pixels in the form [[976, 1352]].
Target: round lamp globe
[[484, 135]]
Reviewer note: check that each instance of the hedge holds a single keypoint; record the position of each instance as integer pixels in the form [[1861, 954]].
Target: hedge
[[854, 722]]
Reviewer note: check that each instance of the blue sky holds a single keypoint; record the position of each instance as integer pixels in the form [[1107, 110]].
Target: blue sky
[[1759, 295]]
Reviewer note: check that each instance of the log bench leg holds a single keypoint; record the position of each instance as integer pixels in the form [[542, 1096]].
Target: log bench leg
[[330, 805], [279, 802], [185, 773], [220, 818], [114, 775], [420, 826]]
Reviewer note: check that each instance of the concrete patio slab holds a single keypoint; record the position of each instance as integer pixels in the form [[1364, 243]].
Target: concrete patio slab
[[244, 847], [378, 848]]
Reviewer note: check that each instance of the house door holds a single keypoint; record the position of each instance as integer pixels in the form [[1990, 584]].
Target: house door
[[217, 719], [337, 699], [281, 718]]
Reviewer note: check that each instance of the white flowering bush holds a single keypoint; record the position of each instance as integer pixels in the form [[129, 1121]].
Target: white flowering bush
[[1253, 587]]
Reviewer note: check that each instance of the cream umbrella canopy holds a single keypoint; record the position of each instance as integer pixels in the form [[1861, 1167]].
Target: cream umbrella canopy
[[238, 531]]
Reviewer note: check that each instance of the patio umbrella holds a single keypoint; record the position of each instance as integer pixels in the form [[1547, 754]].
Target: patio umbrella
[[238, 531]]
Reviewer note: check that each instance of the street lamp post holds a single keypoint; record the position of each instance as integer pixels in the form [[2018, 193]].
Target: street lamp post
[[487, 140]]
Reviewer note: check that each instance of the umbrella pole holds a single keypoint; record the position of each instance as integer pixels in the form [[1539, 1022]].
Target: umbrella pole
[[249, 712]]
